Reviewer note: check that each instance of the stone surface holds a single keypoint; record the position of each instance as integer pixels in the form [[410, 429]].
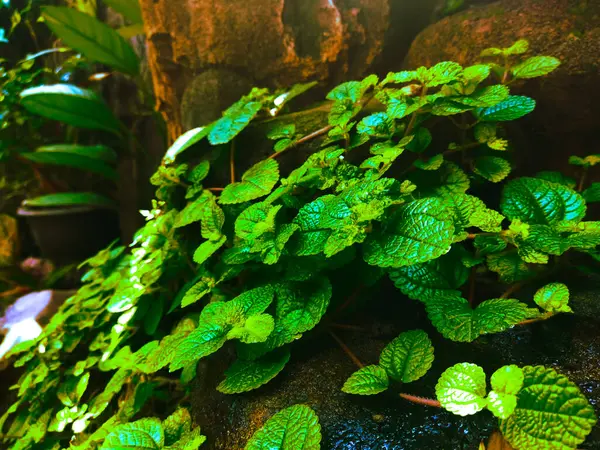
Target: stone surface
[[270, 43], [568, 111], [318, 369]]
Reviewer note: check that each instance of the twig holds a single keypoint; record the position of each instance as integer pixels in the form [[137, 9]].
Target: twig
[[582, 180], [14, 291], [348, 352], [421, 400], [511, 290], [541, 318], [308, 137], [232, 161], [349, 301], [215, 189]]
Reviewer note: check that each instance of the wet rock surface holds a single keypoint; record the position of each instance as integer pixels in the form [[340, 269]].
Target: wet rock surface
[[318, 369], [568, 109]]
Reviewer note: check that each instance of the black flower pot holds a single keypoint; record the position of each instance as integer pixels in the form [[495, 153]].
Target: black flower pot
[[71, 234]]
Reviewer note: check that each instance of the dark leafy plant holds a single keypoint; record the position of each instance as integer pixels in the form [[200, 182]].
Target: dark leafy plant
[[260, 262]]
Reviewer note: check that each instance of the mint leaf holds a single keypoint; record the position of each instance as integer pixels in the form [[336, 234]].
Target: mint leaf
[[489, 244], [185, 141], [553, 297], [442, 73], [194, 211], [408, 357], [256, 182], [417, 232], [369, 380], [509, 266], [255, 329], [433, 163], [518, 48], [456, 320], [592, 194], [461, 389], [534, 67], [244, 376], [376, 125], [506, 384], [588, 161], [421, 141], [514, 107], [145, 434], [440, 278], [234, 120], [477, 73], [256, 220], [305, 301], [541, 202], [207, 249], [317, 220], [549, 398], [492, 168], [294, 428]]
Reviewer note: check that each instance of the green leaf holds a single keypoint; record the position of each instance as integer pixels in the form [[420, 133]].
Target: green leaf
[[518, 48], [408, 357], [417, 232], [492, 168], [440, 278], [168, 346], [185, 141], [74, 160], [130, 9], [97, 152], [592, 194], [256, 182], [501, 405], [553, 297], [234, 120], [433, 163], [304, 302], [508, 380], [541, 202], [244, 376], [376, 125], [256, 329], [207, 249], [176, 425], [557, 177], [294, 428], [256, 220], [254, 301], [442, 73], [588, 161], [476, 73], [456, 320], [213, 219], [189, 441], [69, 199], [514, 107], [509, 266], [551, 399], [71, 390], [350, 90], [369, 380], [282, 130], [317, 220], [400, 77], [72, 105], [489, 244], [422, 140], [461, 389], [485, 97], [145, 434], [536, 66], [94, 39]]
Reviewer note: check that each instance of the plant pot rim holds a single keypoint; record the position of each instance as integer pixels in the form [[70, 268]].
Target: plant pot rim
[[38, 211]]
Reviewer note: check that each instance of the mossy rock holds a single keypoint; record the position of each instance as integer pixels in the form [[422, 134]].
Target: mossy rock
[[568, 111]]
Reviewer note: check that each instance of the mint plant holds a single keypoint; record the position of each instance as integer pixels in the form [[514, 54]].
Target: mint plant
[[257, 264]]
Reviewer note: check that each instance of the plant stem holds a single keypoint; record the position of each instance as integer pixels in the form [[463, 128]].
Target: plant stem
[[512, 289], [413, 119], [349, 301], [545, 316], [308, 137], [348, 352], [215, 189], [582, 180], [472, 278], [421, 400], [232, 161]]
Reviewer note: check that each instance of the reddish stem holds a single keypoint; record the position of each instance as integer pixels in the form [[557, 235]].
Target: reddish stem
[[308, 137], [421, 400], [347, 350]]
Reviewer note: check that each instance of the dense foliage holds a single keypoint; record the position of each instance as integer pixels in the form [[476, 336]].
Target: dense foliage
[[260, 262]]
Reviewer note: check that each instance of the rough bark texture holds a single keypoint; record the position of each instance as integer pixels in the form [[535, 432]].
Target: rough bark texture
[[205, 54]]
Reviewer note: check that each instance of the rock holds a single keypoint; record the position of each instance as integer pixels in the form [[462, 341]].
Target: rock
[[568, 111], [318, 369], [271, 43]]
